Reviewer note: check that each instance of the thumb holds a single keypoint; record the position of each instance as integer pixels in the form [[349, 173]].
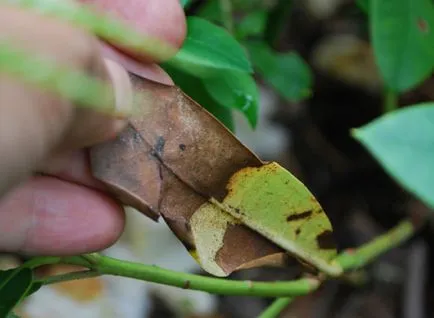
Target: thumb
[[34, 123]]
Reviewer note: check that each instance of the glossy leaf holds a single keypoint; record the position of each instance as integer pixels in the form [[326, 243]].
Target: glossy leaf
[[253, 24], [287, 73], [14, 285], [403, 143], [402, 33], [235, 90], [208, 187], [195, 88], [208, 49]]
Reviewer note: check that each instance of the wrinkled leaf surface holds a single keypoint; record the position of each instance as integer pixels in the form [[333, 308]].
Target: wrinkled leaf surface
[[230, 209]]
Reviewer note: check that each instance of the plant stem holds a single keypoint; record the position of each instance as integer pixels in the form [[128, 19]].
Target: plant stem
[[111, 266], [40, 261], [390, 101], [227, 18], [348, 260], [69, 276], [276, 307], [355, 258]]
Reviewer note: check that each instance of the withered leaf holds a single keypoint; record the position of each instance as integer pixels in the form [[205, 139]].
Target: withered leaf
[[230, 209]]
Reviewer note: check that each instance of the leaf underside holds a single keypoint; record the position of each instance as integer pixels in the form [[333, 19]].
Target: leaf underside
[[230, 209]]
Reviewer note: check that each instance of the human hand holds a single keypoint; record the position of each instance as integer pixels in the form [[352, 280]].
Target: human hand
[[67, 213]]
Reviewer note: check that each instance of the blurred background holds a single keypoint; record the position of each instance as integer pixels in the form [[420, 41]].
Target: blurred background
[[324, 48]]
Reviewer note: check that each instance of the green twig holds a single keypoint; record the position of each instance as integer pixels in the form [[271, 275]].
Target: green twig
[[390, 102], [356, 258], [227, 17], [41, 260], [276, 307], [110, 266], [69, 276]]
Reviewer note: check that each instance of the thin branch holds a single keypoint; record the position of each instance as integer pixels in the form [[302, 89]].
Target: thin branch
[[111, 266], [276, 307], [356, 258], [390, 101], [85, 274], [348, 260]]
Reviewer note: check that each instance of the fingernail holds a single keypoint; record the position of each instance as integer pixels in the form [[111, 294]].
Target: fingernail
[[122, 87]]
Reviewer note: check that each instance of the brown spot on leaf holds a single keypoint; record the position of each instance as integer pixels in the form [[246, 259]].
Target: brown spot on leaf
[[325, 240], [299, 216], [422, 25], [182, 147], [297, 232]]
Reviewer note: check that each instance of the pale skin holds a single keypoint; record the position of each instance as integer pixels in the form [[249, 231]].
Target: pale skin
[[66, 211]]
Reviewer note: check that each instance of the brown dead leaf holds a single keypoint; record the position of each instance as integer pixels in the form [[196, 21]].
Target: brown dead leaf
[[176, 160]]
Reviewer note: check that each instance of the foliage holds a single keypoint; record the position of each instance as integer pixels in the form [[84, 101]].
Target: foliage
[[215, 67]]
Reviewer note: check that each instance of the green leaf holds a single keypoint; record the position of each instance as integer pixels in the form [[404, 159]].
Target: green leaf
[[287, 73], [272, 202], [363, 5], [33, 288], [211, 11], [403, 143], [185, 3], [402, 33], [14, 286], [208, 49], [12, 315], [194, 88], [235, 90], [253, 24]]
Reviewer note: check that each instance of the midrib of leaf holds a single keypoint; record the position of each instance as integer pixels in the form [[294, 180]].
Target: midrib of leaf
[[220, 52]]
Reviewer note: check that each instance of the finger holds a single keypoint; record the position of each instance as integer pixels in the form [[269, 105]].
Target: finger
[[162, 19], [152, 72], [34, 123], [48, 216], [73, 167]]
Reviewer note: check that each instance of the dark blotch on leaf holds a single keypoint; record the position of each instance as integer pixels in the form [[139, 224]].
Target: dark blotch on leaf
[[182, 147], [422, 25], [299, 216], [159, 146], [325, 240], [297, 232]]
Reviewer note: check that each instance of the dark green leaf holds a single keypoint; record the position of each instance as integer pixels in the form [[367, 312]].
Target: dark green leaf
[[211, 11], [236, 90], [403, 142], [287, 73], [33, 288], [402, 33], [5, 274], [363, 5], [208, 49], [252, 24], [194, 88], [13, 288]]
